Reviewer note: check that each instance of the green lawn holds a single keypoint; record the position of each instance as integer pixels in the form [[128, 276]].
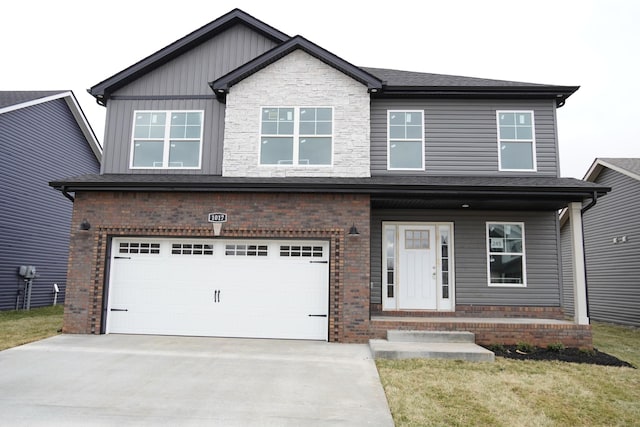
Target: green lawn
[[518, 393], [23, 326]]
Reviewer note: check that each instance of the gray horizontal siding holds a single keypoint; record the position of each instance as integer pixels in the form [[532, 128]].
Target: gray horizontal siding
[[186, 75], [613, 270], [470, 250], [461, 135], [37, 144], [117, 156]]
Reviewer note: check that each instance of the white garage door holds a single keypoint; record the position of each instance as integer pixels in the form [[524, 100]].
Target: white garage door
[[225, 288]]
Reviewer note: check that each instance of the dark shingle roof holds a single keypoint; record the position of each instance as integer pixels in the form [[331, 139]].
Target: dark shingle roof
[[14, 97], [629, 164], [411, 78]]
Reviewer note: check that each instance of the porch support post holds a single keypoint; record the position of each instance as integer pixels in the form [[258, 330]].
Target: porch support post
[[578, 264]]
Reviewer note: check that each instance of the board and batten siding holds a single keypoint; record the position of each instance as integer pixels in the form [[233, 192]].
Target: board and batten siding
[[187, 77], [470, 255], [38, 144], [461, 136], [613, 269]]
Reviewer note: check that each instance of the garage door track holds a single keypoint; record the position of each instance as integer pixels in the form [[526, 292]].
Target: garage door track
[[162, 380]]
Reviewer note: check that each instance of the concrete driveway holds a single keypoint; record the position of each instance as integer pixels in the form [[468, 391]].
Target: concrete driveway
[[159, 380]]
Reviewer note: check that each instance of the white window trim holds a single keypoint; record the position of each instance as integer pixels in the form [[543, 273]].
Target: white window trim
[[167, 138], [533, 141], [296, 137], [421, 168], [523, 253]]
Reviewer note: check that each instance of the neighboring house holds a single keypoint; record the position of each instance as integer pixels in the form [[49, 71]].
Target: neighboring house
[[611, 244], [43, 136], [356, 199]]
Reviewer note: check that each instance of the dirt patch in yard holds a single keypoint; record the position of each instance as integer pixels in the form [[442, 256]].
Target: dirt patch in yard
[[574, 355]]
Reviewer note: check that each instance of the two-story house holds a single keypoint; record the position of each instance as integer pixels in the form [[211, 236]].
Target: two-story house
[[256, 185]]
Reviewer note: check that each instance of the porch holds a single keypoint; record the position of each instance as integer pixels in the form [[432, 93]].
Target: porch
[[539, 332]]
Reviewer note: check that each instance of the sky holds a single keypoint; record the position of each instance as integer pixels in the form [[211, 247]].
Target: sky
[[66, 44]]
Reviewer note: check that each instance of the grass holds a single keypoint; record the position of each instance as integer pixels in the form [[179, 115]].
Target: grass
[[518, 393], [22, 326]]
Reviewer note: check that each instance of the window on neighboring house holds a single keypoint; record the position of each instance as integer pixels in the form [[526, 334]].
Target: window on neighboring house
[[516, 142], [298, 136], [405, 149], [167, 139], [506, 256]]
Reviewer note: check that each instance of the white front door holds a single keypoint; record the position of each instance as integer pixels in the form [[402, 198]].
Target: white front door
[[417, 267], [417, 271]]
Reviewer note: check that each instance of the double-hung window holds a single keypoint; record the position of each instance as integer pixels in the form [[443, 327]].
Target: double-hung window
[[506, 264], [297, 136], [516, 141], [405, 149], [167, 139]]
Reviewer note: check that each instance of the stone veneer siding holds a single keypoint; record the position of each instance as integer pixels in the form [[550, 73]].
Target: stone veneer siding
[[250, 215], [297, 80]]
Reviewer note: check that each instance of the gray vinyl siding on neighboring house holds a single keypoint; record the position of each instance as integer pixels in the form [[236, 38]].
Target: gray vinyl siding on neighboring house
[[470, 255], [613, 270], [38, 144], [461, 135], [187, 77]]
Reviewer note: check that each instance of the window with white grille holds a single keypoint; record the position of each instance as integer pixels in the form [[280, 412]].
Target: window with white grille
[[301, 251], [191, 249], [246, 250], [139, 248]]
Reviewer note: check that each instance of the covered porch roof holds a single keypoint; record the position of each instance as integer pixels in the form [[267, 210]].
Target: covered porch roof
[[420, 192]]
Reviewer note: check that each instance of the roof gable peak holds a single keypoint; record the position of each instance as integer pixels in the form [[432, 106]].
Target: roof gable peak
[[222, 85], [102, 90]]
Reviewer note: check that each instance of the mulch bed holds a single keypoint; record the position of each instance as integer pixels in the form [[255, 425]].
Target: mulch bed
[[574, 355]]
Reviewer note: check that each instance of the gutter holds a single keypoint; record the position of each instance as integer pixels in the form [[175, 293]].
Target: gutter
[[591, 204]]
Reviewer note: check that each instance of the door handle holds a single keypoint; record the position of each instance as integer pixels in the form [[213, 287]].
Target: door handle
[[317, 315], [119, 309], [216, 295]]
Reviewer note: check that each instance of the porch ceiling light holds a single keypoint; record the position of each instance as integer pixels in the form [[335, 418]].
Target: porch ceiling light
[[465, 205]]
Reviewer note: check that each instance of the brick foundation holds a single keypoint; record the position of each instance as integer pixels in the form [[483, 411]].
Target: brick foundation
[[493, 311], [538, 334]]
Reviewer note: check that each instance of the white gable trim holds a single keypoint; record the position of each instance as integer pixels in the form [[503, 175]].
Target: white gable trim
[[597, 166], [75, 109]]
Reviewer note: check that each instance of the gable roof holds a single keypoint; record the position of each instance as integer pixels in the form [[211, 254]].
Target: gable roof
[[221, 86], [626, 166], [15, 100], [102, 90], [409, 83]]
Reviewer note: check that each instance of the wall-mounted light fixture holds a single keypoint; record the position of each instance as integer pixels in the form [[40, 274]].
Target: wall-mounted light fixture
[[353, 231], [84, 225]]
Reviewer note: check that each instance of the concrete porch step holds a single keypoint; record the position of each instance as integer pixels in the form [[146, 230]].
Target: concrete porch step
[[431, 336], [383, 349]]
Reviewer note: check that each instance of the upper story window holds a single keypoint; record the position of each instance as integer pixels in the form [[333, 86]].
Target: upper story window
[[298, 136], [405, 150], [505, 254], [516, 141], [167, 139]]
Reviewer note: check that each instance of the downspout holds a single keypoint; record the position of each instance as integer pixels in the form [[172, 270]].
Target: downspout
[[67, 195], [591, 204]]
